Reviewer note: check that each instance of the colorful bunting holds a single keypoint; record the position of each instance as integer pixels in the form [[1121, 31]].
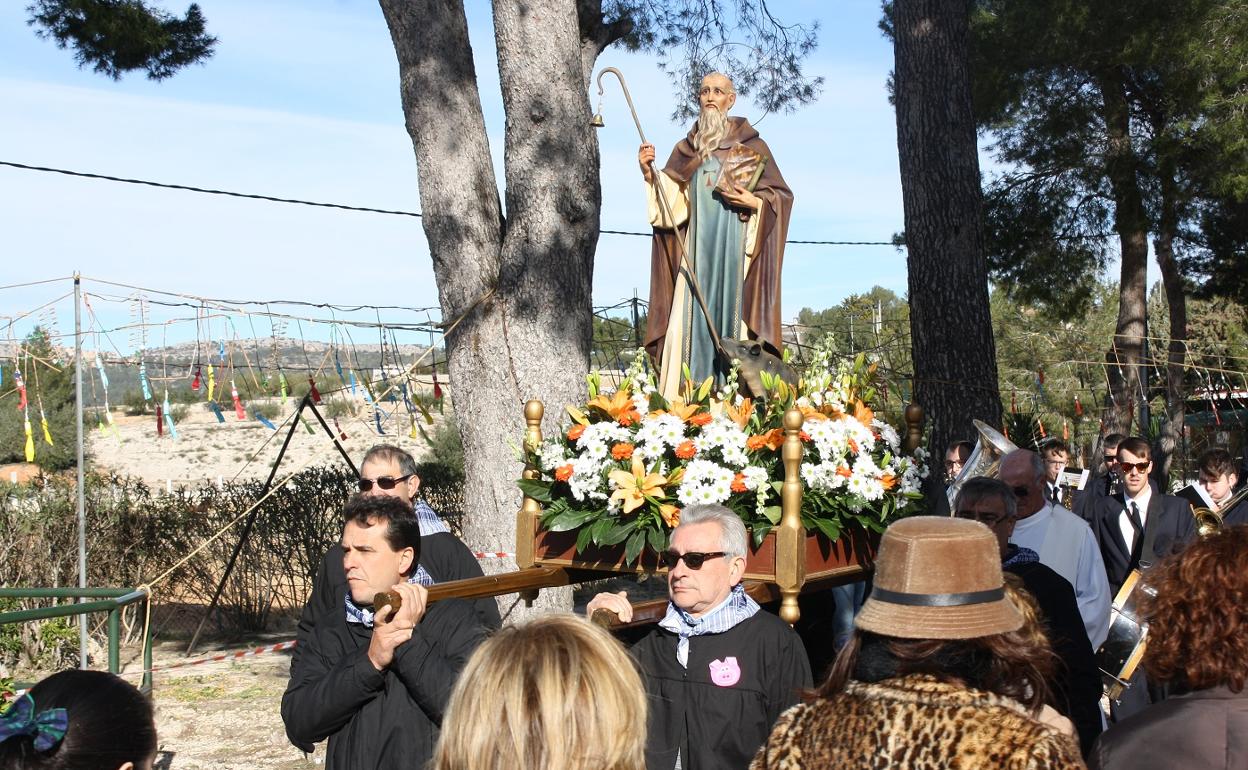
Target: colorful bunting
[[263, 420], [238, 404]]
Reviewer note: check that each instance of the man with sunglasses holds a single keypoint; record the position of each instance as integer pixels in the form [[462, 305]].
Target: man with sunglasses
[[388, 471], [1139, 525], [1064, 542], [718, 670]]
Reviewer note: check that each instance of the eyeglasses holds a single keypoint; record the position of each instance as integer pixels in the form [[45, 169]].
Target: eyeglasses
[[385, 482], [693, 559], [988, 518], [1141, 467], [1111, 459]]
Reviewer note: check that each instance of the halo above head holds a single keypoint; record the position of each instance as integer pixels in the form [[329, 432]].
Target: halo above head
[[938, 578]]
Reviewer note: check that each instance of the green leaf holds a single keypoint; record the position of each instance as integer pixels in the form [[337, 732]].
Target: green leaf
[[632, 549], [583, 537], [537, 489], [830, 528], [570, 520], [760, 534], [599, 529], [657, 539], [657, 402], [617, 533], [773, 513]]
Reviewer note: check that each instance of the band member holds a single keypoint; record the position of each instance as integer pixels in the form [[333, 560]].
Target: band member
[[1219, 480]]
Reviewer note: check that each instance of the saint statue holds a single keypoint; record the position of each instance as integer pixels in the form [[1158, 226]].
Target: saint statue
[[731, 206]]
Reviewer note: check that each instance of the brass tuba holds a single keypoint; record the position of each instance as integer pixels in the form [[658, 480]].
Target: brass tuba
[[985, 459], [1208, 520]]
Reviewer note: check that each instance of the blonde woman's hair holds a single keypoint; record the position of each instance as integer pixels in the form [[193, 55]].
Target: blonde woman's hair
[[556, 693]]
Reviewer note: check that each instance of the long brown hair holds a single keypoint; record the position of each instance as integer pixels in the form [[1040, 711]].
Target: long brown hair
[[1015, 665]]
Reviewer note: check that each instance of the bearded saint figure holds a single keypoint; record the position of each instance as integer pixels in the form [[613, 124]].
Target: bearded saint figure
[[735, 239]]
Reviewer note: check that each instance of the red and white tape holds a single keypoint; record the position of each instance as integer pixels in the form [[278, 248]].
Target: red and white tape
[[494, 555], [250, 652]]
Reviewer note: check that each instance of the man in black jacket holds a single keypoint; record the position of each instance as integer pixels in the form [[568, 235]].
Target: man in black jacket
[[1076, 684], [1139, 525], [376, 684], [718, 670]]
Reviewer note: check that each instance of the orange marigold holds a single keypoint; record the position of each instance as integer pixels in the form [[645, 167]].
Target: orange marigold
[[622, 451], [738, 483], [888, 481], [628, 418], [804, 436], [563, 472], [853, 446], [700, 419], [575, 432], [685, 450], [843, 471]]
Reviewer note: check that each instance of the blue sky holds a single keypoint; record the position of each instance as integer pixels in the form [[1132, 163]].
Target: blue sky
[[302, 101]]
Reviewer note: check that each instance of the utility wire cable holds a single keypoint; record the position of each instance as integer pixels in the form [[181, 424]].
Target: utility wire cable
[[341, 206]]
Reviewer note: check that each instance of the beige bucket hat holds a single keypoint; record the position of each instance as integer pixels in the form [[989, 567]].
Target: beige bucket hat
[[938, 578]]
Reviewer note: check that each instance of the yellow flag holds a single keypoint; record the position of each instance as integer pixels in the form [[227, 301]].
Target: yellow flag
[[30, 442], [43, 421]]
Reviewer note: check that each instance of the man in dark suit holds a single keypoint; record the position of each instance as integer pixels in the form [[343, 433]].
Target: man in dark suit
[[1138, 525], [1135, 529], [1105, 479]]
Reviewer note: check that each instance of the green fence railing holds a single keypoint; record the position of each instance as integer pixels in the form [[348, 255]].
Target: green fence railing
[[110, 600]]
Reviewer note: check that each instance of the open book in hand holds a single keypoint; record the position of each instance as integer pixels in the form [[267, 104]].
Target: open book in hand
[[741, 167]]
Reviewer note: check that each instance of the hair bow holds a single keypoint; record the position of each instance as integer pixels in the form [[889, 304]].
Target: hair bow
[[47, 727]]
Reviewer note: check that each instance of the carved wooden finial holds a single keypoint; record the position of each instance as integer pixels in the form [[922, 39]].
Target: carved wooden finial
[[914, 427]]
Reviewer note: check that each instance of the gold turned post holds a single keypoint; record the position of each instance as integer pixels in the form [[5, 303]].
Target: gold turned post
[[914, 428], [790, 535], [530, 510]]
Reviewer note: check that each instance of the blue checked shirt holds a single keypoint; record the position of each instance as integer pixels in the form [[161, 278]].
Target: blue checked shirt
[[430, 524]]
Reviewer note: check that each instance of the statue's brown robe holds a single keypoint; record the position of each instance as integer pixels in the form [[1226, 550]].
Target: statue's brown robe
[[761, 296]]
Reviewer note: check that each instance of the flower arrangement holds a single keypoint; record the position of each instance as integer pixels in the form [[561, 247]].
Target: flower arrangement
[[631, 460]]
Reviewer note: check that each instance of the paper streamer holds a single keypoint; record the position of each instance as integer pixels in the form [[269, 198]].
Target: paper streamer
[[238, 404], [263, 420], [316, 394], [147, 390], [351, 372], [216, 409], [173, 430], [342, 434], [30, 440], [195, 382], [43, 423], [99, 365], [21, 388], [377, 417], [281, 379], [160, 420], [212, 381]]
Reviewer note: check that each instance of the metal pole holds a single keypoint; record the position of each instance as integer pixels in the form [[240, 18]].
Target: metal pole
[[82, 493]]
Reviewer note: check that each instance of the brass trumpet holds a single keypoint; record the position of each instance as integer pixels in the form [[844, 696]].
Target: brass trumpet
[[1208, 520]]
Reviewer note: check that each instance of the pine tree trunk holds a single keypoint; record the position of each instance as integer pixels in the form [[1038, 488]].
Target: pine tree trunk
[[518, 285], [955, 360], [1125, 357], [1176, 301]]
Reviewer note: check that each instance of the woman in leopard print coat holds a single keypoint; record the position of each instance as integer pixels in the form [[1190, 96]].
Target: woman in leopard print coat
[[939, 673]]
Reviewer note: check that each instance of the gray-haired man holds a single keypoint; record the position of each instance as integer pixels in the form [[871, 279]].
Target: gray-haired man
[[718, 671]]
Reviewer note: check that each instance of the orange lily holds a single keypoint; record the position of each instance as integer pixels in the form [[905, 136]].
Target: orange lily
[[632, 489], [888, 481], [740, 414], [618, 406], [670, 514], [863, 413], [772, 439], [679, 409]]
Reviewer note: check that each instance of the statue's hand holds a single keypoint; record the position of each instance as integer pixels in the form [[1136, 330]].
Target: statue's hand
[[741, 198], [645, 157]]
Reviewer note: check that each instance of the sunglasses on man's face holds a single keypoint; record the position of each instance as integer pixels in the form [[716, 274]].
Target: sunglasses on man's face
[[1141, 467], [385, 482], [693, 559]]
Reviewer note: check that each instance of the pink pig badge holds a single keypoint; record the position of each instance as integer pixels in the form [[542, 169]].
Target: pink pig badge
[[726, 672]]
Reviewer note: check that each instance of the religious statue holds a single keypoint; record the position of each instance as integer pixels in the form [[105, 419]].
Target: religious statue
[[731, 205]]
